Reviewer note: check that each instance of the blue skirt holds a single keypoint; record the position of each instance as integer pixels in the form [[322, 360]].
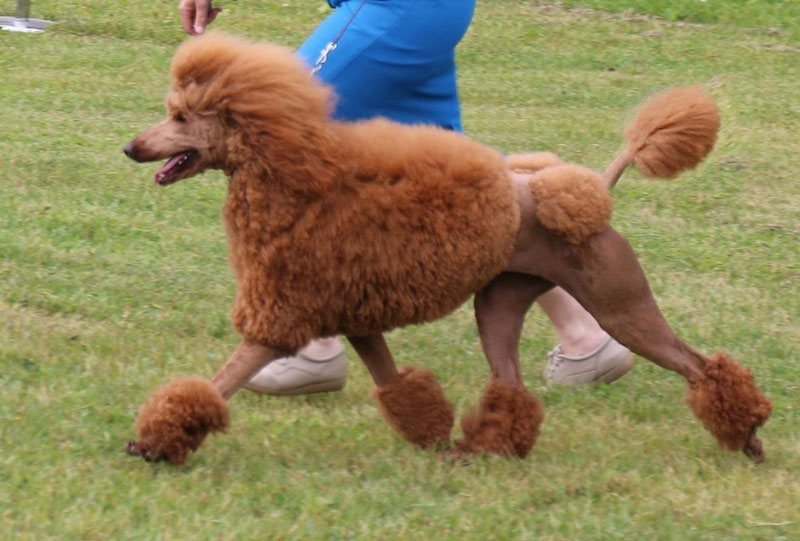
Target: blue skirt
[[395, 59]]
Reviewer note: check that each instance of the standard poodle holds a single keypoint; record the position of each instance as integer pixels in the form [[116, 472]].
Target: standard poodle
[[357, 228]]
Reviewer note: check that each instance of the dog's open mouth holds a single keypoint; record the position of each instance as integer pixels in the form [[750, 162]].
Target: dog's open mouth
[[175, 166]]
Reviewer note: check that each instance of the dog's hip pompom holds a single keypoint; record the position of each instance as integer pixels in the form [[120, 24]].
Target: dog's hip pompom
[[728, 402], [571, 201], [506, 422], [530, 162], [416, 407], [673, 131], [177, 418]]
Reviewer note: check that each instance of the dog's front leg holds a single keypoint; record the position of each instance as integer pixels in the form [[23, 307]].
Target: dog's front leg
[[248, 359], [179, 415], [411, 399]]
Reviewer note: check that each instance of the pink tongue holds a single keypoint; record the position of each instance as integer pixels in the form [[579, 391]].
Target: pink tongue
[[169, 165]]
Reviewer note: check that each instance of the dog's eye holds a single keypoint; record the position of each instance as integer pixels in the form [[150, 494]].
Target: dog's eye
[[179, 117]]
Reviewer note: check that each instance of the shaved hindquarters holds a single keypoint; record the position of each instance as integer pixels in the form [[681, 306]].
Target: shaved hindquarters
[[604, 275]]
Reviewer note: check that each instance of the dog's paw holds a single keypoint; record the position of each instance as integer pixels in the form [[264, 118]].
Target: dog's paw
[[416, 407], [753, 449], [142, 449], [730, 405], [506, 422], [177, 418]]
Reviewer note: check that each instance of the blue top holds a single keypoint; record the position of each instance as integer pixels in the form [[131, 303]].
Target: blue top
[[395, 59]]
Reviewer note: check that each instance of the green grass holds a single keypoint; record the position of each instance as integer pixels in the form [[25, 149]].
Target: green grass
[[769, 15], [110, 286]]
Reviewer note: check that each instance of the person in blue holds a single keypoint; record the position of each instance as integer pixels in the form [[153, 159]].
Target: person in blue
[[396, 59]]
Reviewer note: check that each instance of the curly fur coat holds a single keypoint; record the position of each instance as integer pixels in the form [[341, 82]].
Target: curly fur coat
[[447, 201]]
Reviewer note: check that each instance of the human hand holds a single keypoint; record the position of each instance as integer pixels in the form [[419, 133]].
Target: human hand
[[196, 15]]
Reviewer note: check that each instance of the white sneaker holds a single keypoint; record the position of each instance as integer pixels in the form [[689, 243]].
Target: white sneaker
[[609, 362], [302, 374]]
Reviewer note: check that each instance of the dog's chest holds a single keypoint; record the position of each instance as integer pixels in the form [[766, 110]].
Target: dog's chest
[[255, 226]]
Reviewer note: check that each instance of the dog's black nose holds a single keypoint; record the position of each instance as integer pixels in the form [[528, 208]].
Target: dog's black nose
[[128, 150]]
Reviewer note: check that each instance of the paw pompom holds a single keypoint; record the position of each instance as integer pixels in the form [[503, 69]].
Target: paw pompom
[[728, 402], [415, 406], [506, 422], [177, 418]]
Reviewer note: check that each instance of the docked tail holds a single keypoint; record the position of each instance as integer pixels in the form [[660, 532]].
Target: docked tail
[[670, 133]]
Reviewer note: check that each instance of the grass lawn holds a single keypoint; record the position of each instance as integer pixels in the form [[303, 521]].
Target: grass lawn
[[110, 286]]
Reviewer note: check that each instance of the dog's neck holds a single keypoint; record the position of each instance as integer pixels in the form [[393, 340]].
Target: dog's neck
[[274, 184], [254, 199], [304, 164]]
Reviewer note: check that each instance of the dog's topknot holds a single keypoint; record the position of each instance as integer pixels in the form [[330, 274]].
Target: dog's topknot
[[216, 72], [673, 131]]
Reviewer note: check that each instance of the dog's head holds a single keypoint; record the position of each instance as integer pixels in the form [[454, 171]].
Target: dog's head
[[230, 100]]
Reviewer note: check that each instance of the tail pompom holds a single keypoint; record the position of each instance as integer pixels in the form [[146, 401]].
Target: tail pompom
[[571, 201], [673, 131]]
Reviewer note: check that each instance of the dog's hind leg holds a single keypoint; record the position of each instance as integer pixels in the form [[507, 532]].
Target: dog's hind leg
[[507, 420], [411, 400], [179, 415], [602, 273]]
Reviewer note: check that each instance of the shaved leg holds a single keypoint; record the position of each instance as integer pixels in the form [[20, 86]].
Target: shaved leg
[[500, 309], [376, 356], [507, 419], [411, 400], [249, 358], [605, 277]]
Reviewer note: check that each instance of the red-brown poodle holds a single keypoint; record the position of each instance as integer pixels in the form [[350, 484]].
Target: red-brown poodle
[[358, 228]]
